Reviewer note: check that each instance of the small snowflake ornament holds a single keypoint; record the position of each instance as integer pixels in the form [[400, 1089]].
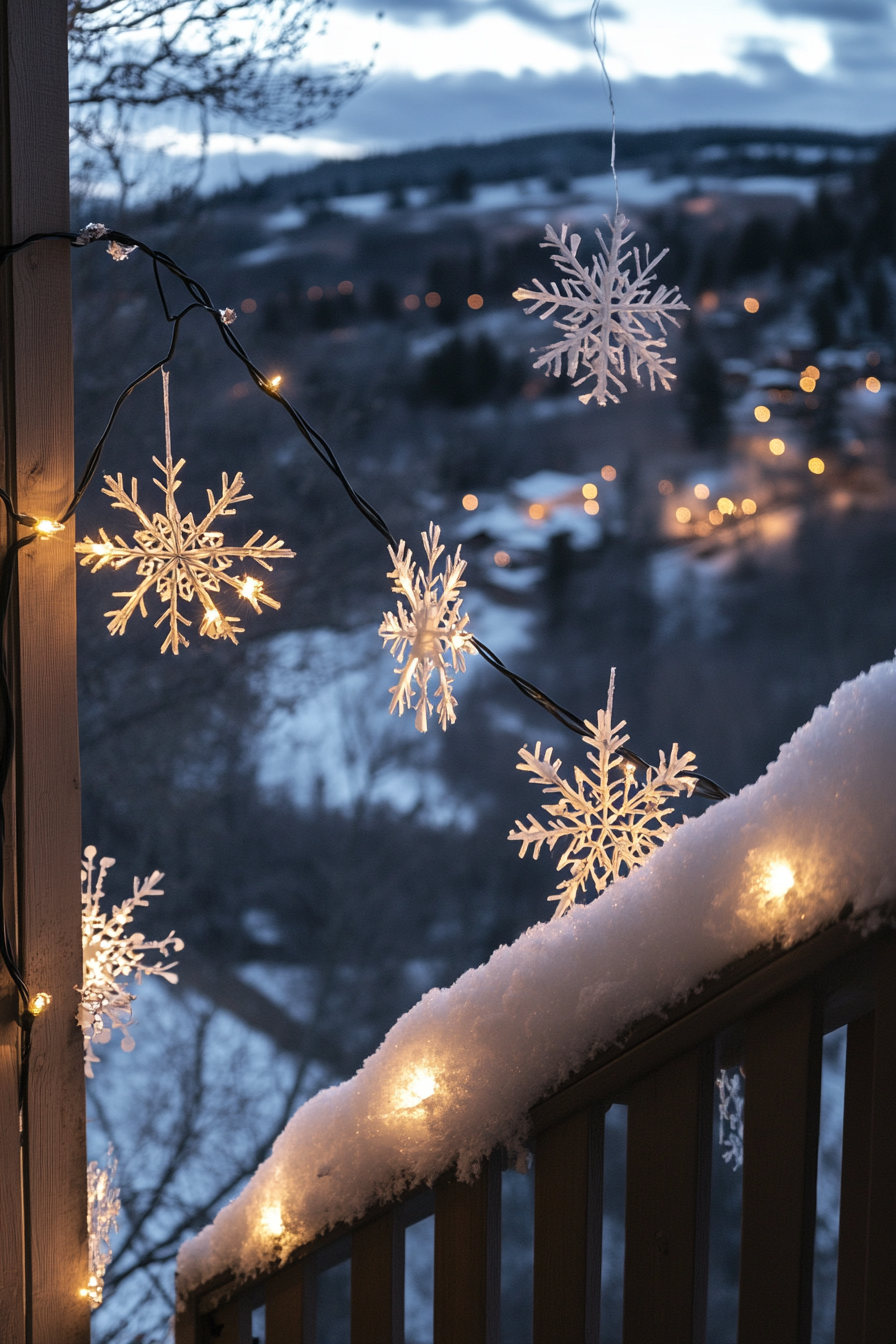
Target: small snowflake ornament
[[607, 311], [180, 558], [111, 955], [429, 635], [608, 824]]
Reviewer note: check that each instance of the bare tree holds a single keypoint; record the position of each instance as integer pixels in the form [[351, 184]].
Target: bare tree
[[236, 59]]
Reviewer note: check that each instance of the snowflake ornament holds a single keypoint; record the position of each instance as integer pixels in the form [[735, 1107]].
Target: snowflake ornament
[[179, 557], [731, 1116], [430, 635], [103, 1208], [111, 955], [606, 312], [607, 824]]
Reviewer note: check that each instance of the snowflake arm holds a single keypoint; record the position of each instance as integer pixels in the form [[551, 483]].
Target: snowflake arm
[[429, 634], [110, 955], [606, 824], [103, 1208], [606, 311]]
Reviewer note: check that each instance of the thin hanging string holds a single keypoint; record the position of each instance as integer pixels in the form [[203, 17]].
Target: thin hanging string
[[165, 376], [600, 46]]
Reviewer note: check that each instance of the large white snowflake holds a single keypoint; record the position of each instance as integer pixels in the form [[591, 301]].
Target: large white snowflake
[[111, 955], [608, 824], [606, 311], [429, 635], [103, 1208], [181, 558]]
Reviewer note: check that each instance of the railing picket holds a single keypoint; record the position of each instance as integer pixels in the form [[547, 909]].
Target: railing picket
[[783, 1094], [378, 1281], [667, 1203], [880, 1294], [284, 1306], [466, 1290], [568, 1207], [854, 1174]]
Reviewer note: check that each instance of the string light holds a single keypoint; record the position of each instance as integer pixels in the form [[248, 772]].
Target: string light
[[38, 1003], [47, 527]]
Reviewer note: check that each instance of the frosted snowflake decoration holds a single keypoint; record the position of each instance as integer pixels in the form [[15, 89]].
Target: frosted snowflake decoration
[[180, 558], [606, 312], [608, 824], [731, 1116], [103, 1208], [111, 955], [429, 635]]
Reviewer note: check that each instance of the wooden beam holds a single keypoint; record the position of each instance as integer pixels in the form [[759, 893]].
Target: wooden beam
[[568, 1222], [37, 467], [667, 1188], [378, 1281], [852, 1248], [781, 1116], [467, 1283], [880, 1291], [284, 1305]]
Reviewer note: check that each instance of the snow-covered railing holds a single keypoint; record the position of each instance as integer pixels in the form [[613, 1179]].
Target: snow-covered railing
[[756, 929]]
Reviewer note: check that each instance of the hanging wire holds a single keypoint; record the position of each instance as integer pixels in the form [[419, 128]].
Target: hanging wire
[[600, 46]]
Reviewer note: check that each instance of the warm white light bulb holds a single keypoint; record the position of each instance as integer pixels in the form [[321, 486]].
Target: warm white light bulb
[[779, 879], [48, 527], [420, 1085], [272, 1220]]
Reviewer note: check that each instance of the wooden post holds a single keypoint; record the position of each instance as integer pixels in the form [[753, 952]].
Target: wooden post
[[43, 1232]]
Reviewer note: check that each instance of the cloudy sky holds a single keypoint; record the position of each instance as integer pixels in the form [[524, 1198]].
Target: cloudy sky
[[452, 70]]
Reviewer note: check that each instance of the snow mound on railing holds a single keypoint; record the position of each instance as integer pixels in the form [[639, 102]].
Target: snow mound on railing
[[457, 1075]]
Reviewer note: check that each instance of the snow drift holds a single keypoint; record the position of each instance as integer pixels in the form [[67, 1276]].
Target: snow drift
[[457, 1075]]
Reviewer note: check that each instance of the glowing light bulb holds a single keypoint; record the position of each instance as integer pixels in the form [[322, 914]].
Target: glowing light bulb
[[250, 588], [749, 506], [762, 414], [591, 506], [589, 490], [470, 503], [420, 1085], [683, 515], [807, 384], [608, 473], [275, 381], [725, 505], [38, 1002], [779, 879], [776, 446], [701, 491], [751, 305], [48, 527], [815, 465], [536, 511], [272, 1221], [872, 384]]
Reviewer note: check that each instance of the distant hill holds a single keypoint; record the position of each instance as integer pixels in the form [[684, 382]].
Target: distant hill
[[719, 151]]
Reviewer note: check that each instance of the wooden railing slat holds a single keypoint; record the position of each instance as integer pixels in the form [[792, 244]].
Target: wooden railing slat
[[568, 1208], [667, 1203], [284, 1304], [378, 1281], [854, 1175], [783, 1093], [466, 1290], [880, 1284]]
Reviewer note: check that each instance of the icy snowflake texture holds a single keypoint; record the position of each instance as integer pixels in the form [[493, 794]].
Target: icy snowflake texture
[[730, 1084], [456, 1076], [608, 823], [111, 955], [179, 557], [606, 313], [103, 1208], [429, 635], [120, 251]]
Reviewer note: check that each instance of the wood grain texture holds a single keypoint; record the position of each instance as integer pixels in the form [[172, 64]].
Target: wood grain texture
[[466, 1286], [854, 1176], [566, 1271], [668, 1156], [781, 1115], [880, 1282], [38, 463], [378, 1281]]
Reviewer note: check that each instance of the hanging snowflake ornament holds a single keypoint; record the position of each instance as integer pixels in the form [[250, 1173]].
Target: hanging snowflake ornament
[[429, 635], [180, 558], [607, 311], [103, 1208], [607, 824], [111, 955]]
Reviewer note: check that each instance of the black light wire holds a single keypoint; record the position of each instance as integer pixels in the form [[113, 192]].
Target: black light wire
[[200, 300]]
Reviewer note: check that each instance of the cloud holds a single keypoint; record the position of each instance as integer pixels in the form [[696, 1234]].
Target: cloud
[[833, 11]]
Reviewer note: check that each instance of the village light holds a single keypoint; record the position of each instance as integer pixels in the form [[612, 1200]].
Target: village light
[[589, 490], [470, 503], [683, 515], [815, 465], [811, 371], [608, 473], [807, 384], [751, 305], [748, 505], [591, 506], [872, 384], [776, 446], [536, 511], [725, 505], [762, 414], [701, 491]]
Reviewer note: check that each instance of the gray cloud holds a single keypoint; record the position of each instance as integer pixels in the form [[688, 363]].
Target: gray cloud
[[571, 28], [399, 111], [833, 11]]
